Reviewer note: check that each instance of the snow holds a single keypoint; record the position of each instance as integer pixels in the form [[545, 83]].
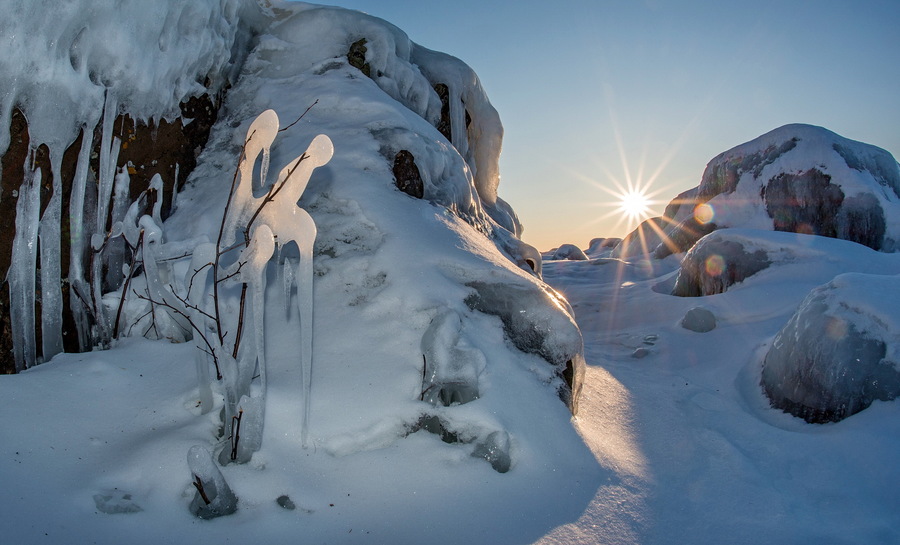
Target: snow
[[674, 439]]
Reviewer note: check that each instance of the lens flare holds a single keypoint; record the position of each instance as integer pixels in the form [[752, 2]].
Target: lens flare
[[715, 265], [704, 213]]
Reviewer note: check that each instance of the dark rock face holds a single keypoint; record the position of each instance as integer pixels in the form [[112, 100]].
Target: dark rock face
[[714, 264], [823, 369], [169, 149], [356, 56], [443, 126], [861, 220], [407, 175], [804, 203]]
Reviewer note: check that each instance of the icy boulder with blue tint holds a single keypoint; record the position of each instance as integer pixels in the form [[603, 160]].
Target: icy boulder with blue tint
[[839, 352]]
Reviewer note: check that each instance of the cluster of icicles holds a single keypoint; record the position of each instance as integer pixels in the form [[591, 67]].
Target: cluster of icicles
[[134, 284]]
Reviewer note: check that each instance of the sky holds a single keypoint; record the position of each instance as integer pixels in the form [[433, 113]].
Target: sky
[[597, 96]]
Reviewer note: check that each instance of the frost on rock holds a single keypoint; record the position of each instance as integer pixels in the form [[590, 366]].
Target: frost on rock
[[212, 497], [715, 263], [539, 321], [839, 351], [452, 365]]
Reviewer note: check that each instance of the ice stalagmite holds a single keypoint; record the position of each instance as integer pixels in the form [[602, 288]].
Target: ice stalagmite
[[273, 217], [291, 223]]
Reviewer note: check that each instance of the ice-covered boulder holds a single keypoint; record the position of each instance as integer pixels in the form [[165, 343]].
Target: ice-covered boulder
[[718, 261], [797, 178], [839, 352]]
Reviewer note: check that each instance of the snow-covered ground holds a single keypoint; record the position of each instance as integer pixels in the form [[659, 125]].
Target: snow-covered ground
[[675, 443], [679, 418]]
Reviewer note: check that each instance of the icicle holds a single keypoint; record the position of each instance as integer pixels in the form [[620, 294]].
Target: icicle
[[51, 289], [288, 279], [156, 184], [195, 283], [78, 289], [108, 157], [22, 272], [305, 308], [256, 257]]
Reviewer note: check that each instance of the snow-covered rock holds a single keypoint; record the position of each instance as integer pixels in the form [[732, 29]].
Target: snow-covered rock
[[839, 352], [570, 252], [718, 261], [699, 319], [796, 178]]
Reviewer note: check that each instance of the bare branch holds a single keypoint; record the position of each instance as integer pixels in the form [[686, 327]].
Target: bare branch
[[301, 116], [199, 331], [134, 253]]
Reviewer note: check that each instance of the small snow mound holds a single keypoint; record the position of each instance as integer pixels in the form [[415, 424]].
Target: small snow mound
[[839, 352], [569, 252], [699, 319]]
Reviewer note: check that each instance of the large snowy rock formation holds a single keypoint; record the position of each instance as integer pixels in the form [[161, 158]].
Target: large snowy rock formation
[[839, 352], [428, 306], [797, 178]]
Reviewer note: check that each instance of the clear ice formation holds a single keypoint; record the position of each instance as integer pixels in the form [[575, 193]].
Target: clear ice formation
[[213, 497], [275, 220], [839, 351], [452, 365]]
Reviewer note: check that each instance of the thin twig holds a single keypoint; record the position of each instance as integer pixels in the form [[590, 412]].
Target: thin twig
[[301, 116], [219, 239], [134, 254], [198, 484], [212, 351]]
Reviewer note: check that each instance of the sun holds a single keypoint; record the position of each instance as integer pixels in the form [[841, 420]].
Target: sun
[[635, 204]]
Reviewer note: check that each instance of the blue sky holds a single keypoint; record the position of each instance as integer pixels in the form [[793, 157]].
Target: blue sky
[[593, 93]]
